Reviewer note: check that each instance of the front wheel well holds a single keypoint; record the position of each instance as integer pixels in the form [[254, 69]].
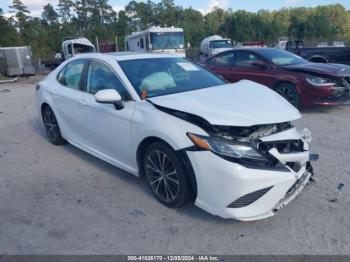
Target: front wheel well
[[180, 153], [143, 146]]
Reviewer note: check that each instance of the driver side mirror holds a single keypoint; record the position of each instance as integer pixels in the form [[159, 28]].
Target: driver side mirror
[[109, 96], [260, 65]]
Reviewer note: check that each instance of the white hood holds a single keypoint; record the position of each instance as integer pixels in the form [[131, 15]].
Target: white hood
[[244, 103]]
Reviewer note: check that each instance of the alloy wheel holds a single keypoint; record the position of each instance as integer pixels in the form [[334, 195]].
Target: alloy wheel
[[288, 94], [162, 176], [50, 125]]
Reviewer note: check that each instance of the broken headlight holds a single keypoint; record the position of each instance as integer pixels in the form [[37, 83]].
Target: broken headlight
[[241, 150], [306, 135]]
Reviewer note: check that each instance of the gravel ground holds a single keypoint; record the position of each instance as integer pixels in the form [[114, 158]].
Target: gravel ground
[[60, 200]]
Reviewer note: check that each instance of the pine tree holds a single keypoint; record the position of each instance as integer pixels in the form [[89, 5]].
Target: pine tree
[[49, 14], [21, 13], [64, 10]]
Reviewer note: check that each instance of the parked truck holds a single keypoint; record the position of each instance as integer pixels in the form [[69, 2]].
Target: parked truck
[[70, 47], [325, 54], [214, 44]]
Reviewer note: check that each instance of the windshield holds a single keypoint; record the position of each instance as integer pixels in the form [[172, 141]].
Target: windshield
[[281, 58], [167, 40], [80, 48], [164, 76], [221, 44]]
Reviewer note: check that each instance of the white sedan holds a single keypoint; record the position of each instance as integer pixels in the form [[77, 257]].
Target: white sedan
[[229, 148]]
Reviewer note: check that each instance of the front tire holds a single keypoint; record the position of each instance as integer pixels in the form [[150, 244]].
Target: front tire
[[289, 92], [166, 175], [53, 131]]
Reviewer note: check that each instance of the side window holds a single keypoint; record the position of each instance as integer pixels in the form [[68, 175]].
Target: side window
[[69, 47], [60, 77], [142, 44], [147, 42], [245, 59], [70, 75], [223, 60], [101, 77]]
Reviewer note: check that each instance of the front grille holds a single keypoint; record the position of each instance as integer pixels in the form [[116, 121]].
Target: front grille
[[249, 198], [283, 147]]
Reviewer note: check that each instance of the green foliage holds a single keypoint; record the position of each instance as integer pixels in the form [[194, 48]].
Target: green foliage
[[96, 18]]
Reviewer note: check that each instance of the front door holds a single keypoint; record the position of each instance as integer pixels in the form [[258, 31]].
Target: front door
[[251, 67]]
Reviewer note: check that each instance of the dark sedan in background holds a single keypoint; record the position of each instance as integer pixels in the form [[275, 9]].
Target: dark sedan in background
[[301, 82]]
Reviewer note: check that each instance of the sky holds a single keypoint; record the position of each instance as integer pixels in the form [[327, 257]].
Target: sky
[[204, 6]]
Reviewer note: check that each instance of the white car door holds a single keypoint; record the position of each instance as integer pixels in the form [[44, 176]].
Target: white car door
[[107, 130], [67, 97]]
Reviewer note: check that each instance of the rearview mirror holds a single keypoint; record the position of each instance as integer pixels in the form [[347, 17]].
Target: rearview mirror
[[109, 96], [260, 65]]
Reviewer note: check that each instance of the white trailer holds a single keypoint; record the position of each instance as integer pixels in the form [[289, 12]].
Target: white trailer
[[15, 61], [168, 40], [214, 44]]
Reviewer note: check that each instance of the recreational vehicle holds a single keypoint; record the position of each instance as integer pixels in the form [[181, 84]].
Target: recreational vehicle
[[168, 40]]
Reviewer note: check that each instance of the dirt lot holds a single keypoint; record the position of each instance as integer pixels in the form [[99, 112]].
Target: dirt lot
[[60, 200]]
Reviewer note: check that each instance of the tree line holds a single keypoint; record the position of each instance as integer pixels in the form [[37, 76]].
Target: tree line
[[96, 18]]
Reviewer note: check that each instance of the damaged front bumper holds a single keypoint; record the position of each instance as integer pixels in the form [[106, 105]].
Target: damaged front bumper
[[231, 190], [331, 96]]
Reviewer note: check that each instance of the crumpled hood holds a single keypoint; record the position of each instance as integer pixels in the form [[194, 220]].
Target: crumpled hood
[[336, 70], [244, 103]]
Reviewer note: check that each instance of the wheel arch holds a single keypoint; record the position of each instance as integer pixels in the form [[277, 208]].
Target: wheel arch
[[43, 107], [180, 153], [318, 59]]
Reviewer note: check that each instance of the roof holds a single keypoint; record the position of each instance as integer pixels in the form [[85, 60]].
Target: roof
[[254, 49], [122, 56], [155, 29], [81, 40]]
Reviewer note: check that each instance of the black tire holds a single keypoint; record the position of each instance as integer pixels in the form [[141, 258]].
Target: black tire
[[289, 92], [166, 175], [53, 131]]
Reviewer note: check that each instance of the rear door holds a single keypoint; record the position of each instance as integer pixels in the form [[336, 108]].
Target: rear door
[[67, 96]]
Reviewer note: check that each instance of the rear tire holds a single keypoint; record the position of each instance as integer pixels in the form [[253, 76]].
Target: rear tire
[[53, 131], [289, 92], [166, 175]]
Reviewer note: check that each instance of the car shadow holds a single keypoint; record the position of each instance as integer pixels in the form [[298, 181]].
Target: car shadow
[[322, 110], [189, 210]]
